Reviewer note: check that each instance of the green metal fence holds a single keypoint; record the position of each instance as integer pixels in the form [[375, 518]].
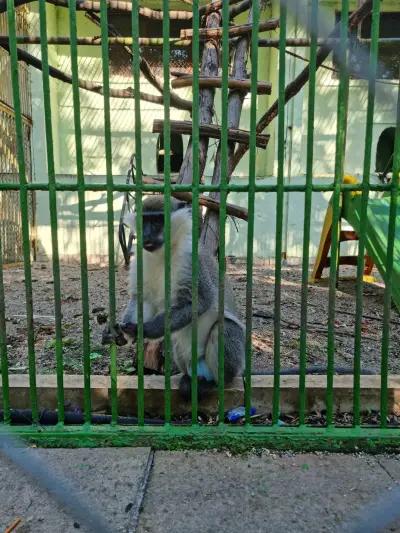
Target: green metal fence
[[194, 434]]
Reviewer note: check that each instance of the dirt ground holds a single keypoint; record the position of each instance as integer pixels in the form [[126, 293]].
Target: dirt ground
[[263, 306]]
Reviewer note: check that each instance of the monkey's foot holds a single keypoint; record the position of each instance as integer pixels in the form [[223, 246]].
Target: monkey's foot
[[204, 387]]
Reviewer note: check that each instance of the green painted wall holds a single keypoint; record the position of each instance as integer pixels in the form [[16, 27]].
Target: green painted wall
[[123, 143]]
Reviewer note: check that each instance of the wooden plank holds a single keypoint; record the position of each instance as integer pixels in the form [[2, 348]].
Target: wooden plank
[[232, 209], [234, 31], [263, 87], [262, 392], [211, 130]]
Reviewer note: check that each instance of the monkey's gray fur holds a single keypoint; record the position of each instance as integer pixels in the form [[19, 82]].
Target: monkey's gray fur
[[181, 299]]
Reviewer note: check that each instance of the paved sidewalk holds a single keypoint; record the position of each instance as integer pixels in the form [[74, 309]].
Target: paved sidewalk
[[201, 491]]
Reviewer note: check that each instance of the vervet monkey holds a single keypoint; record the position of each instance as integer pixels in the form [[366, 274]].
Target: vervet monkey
[[181, 299]]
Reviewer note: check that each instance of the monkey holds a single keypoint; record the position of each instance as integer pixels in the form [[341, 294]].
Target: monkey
[[181, 300]]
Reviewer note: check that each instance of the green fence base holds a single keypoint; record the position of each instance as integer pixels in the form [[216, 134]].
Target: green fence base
[[237, 439]]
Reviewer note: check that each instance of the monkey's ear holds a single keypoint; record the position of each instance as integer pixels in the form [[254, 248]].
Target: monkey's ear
[[130, 220]]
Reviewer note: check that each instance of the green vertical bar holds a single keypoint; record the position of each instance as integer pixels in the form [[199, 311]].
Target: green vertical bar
[[394, 197], [3, 346], [81, 211], [279, 211], [251, 205], [23, 199], [139, 209], [53, 210], [195, 205], [222, 210], [110, 207], [167, 212], [364, 208], [339, 164], [307, 210]]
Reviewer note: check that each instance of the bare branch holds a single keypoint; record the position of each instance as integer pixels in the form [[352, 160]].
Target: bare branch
[[263, 87], [234, 31], [232, 209], [96, 40], [121, 6], [175, 100], [214, 6], [210, 231], [128, 92], [239, 8], [211, 130], [209, 67], [298, 83]]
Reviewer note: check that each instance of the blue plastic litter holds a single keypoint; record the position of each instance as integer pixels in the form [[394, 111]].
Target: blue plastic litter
[[238, 412]]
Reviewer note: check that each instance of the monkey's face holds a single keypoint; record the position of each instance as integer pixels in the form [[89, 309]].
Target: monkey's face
[[153, 230]]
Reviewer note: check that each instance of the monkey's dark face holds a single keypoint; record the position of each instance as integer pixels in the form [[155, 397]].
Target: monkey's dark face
[[153, 230], [153, 222]]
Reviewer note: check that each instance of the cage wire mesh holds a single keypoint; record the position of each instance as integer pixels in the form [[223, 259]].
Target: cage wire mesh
[[10, 215]]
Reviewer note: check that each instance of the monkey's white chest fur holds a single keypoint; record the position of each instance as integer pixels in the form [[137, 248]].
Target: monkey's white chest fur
[[154, 265]]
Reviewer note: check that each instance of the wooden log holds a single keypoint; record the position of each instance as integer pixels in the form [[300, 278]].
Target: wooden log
[[212, 204], [117, 6], [177, 73], [263, 87], [209, 67], [295, 42], [210, 231], [96, 40], [245, 29], [211, 130], [214, 6], [237, 9], [238, 6]]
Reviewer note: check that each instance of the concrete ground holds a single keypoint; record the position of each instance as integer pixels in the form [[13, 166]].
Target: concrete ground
[[199, 491]]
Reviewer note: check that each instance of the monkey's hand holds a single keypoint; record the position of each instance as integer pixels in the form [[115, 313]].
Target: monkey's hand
[[115, 334]]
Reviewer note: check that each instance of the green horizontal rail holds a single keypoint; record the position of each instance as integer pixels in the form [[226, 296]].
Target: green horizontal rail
[[235, 438], [232, 187]]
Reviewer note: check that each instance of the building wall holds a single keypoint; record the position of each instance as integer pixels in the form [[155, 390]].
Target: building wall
[[123, 143]]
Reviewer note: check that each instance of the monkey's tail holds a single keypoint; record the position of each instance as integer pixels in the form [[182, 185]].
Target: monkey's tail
[[313, 371]]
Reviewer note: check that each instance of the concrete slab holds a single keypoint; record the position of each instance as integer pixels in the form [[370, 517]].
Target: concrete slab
[[108, 477], [208, 492]]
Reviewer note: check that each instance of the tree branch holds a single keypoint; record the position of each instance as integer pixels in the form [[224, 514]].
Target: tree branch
[[234, 31], [232, 209], [263, 87], [175, 100], [96, 40], [128, 92], [209, 67], [214, 6], [298, 83], [210, 130], [209, 236], [121, 6]]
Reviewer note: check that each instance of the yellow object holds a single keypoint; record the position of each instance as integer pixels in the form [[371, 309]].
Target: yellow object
[[323, 243], [326, 234]]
